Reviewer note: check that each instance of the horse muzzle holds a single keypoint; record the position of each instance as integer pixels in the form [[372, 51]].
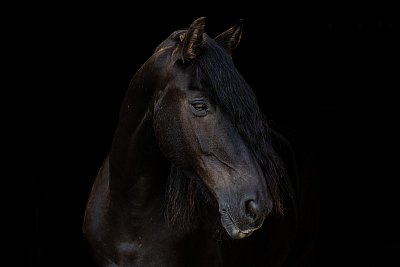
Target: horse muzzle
[[238, 230]]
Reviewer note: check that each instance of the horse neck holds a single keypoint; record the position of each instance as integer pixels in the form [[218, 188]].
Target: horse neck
[[137, 166]]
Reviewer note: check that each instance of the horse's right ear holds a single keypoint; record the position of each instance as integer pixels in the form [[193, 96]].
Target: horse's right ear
[[230, 38], [193, 39]]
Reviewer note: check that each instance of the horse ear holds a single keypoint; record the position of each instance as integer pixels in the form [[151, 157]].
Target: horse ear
[[193, 38], [230, 39]]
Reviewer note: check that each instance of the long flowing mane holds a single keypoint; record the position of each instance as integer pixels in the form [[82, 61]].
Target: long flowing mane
[[215, 68]]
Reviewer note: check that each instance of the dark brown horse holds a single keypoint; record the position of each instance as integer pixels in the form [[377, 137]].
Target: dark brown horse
[[195, 175]]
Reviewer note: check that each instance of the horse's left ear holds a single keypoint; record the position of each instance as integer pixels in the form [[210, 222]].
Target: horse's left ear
[[193, 38], [230, 39]]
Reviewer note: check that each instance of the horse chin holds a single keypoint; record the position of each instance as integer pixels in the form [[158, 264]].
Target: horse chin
[[231, 228], [235, 233]]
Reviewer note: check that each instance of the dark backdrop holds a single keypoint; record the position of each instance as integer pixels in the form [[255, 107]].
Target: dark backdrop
[[326, 71]]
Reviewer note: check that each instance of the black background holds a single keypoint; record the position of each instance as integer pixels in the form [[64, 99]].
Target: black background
[[328, 71]]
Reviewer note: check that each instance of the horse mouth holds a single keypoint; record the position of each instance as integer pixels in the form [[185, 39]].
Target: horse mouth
[[232, 229]]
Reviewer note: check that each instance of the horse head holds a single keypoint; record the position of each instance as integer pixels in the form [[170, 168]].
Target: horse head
[[207, 123]]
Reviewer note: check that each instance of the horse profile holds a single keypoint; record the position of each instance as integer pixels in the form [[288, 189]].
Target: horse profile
[[195, 175]]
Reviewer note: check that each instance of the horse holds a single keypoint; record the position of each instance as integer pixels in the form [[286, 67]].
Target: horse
[[195, 175]]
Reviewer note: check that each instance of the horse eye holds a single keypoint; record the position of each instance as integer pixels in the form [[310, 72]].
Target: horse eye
[[199, 106]]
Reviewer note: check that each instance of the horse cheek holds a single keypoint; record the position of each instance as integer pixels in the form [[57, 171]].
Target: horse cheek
[[170, 137]]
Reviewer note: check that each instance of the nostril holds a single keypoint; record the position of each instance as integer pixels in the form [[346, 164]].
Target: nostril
[[252, 209]]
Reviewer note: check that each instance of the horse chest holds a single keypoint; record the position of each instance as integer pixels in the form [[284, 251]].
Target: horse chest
[[128, 252], [154, 248]]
